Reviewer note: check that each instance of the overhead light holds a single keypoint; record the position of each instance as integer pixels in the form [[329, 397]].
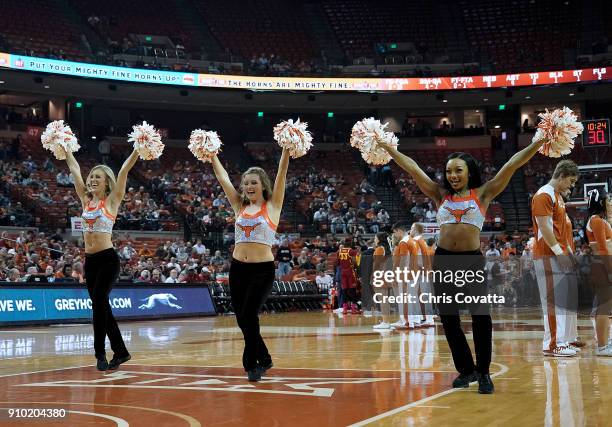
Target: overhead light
[[571, 94], [485, 99], [445, 100], [441, 112], [1, 82], [47, 86], [93, 137], [478, 111], [528, 97], [497, 126]]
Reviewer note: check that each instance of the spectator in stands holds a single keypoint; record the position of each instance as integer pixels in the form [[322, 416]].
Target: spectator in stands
[[128, 251], [50, 274], [324, 281], [199, 248], [217, 260], [430, 215], [320, 216], [31, 271], [13, 275], [283, 256], [338, 224], [77, 272], [145, 277], [173, 276], [145, 251], [156, 276], [63, 179]]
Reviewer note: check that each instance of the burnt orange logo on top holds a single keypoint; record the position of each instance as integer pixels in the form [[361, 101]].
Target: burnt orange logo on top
[[248, 229], [458, 213]]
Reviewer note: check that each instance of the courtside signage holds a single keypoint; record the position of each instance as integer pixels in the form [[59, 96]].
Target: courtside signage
[[49, 304]]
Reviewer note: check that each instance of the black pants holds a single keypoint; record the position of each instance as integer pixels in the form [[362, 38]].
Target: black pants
[[482, 326], [250, 285], [350, 295], [101, 270]]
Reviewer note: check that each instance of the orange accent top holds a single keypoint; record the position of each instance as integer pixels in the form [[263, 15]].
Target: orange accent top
[[98, 219], [461, 210], [599, 231], [255, 228]]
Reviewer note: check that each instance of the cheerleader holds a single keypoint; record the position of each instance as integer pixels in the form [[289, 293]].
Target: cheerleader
[[599, 235]]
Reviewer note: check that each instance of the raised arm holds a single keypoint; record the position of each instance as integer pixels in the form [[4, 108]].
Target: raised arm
[[116, 196], [278, 194], [430, 188], [226, 183], [75, 170], [492, 188]]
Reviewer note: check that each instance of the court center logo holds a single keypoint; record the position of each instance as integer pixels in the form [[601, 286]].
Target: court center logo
[[163, 299]]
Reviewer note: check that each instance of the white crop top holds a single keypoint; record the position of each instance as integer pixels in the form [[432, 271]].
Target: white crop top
[[256, 228], [461, 210], [97, 219]]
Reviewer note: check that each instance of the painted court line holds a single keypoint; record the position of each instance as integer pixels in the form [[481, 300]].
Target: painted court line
[[46, 370], [311, 369], [420, 402]]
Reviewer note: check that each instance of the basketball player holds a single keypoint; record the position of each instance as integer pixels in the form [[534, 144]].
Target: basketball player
[[551, 257], [347, 256]]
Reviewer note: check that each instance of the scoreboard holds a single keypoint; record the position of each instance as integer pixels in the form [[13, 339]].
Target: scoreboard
[[596, 133]]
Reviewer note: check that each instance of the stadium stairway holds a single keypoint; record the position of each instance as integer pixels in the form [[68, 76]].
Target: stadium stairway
[[197, 27], [393, 202], [95, 42], [321, 30], [514, 198]]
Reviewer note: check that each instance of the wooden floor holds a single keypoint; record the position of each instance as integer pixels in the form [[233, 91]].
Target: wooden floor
[[329, 371]]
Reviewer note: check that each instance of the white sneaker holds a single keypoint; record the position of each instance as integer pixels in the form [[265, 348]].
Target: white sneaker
[[604, 351], [399, 324], [367, 313], [382, 325], [338, 310], [573, 347], [560, 351]]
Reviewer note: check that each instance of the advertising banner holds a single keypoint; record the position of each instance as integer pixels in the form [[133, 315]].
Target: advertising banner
[[48, 304], [78, 69]]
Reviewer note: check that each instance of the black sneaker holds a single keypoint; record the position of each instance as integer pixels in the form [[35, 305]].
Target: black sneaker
[[264, 369], [102, 364], [116, 361], [464, 380], [485, 385], [254, 374]]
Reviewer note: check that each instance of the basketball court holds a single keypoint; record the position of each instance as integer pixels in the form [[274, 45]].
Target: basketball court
[[329, 370]]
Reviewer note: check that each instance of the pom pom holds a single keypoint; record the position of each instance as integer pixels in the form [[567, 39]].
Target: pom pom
[[58, 138], [294, 137], [147, 141], [558, 128], [204, 144], [367, 135]]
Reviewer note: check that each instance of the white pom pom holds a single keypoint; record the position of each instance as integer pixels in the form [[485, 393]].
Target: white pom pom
[[204, 144], [147, 141], [58, 138], [367, 135], [558, 128], [294, 137]]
